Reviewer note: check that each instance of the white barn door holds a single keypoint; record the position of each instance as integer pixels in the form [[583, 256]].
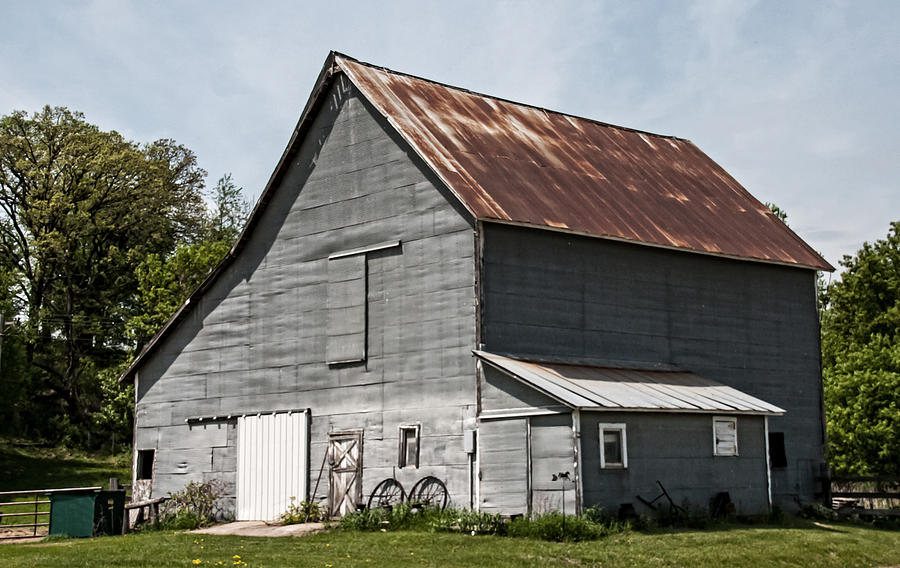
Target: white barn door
[[272, 464]]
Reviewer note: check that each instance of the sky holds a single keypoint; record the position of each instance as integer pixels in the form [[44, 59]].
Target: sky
[[799, 101]]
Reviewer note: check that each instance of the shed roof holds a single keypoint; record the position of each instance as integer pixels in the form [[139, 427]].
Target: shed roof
[[589, 387], [515, 163]]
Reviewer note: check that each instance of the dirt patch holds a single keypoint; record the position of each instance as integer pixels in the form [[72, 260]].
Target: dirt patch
[[261, 528], [13, 536]]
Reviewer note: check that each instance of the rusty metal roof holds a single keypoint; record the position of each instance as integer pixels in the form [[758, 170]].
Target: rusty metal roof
[[515, 163], [604, 388]]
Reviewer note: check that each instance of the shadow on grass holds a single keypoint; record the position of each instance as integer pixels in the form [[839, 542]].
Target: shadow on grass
[[789, 523], [51, 468]]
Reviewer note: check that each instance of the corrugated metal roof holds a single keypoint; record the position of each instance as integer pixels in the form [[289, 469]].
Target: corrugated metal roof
[[516, 163], [604, 388]]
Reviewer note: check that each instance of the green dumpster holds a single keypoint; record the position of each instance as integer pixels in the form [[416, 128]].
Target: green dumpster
[[87, 513]]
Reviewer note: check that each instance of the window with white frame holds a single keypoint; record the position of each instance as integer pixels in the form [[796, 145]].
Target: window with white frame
[[409, 445], [613, 446], [725, 442]]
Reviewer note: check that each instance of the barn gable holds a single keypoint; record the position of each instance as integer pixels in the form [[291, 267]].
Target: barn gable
[[352, 296]]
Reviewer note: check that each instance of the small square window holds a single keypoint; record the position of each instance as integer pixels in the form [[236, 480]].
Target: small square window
[[613, 446], [145, 464], [409, 446], [725, 436]]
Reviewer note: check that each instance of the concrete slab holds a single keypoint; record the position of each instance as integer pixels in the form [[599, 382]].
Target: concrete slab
[[262, 528]]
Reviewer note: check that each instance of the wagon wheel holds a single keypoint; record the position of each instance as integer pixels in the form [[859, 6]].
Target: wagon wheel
[[387, 494], [429, 491]]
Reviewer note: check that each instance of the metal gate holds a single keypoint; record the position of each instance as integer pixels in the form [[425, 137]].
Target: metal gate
[[272, 464], [345, 476]]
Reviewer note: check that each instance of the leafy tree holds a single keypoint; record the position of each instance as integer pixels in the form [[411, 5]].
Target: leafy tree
[[229, 213], [861, 360], [79, 209], [778, 211], [165, 281]]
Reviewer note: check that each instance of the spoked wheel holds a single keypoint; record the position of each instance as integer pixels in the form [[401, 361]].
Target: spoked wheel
[[429, 491], [387, 494]]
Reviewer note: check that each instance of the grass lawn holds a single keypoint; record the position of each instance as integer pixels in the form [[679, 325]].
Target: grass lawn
[[799, 543], [804, 544], [32, 467]]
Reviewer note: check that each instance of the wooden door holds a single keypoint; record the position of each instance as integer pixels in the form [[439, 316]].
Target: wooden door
[[345, 476], [503, 466]]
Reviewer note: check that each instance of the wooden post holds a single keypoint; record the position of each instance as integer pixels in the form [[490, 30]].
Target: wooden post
[[825, 476]]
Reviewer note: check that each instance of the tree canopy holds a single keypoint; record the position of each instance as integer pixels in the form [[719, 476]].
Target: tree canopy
[[81, 210], [861, 360]]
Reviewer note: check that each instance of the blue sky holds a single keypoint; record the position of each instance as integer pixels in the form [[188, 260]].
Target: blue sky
[[799, 101]]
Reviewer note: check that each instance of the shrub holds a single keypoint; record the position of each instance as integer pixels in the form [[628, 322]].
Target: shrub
[[194, 506], [305, 511], [816, 511], [684, 516], [556, 527], [552, 526], [467, 521], [398, 517]]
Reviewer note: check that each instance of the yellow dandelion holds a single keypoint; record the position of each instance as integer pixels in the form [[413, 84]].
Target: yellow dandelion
[[196, 561]]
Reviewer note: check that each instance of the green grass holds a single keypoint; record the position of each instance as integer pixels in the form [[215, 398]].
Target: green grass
[[799, 543], [805, 544], [32, 467]]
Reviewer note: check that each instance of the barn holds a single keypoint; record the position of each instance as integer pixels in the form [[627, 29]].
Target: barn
[[441, 284]]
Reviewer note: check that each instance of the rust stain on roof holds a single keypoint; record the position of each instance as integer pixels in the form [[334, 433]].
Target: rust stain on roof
[[517, 163]]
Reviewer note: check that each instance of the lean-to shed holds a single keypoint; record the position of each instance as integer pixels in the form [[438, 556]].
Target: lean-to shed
[[437, 282]]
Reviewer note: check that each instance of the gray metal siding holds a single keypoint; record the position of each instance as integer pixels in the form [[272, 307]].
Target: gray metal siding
[[346, 303], [258, 338], [749, 325], [503, 466], [677, 450], [552, 452]]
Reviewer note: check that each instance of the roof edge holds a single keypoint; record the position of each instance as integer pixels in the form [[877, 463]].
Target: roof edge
[[509, 101]]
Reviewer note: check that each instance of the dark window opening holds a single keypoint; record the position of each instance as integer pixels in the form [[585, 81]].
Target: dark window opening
[[409, 446], [777, 456], [612, 447], [145, 464]]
